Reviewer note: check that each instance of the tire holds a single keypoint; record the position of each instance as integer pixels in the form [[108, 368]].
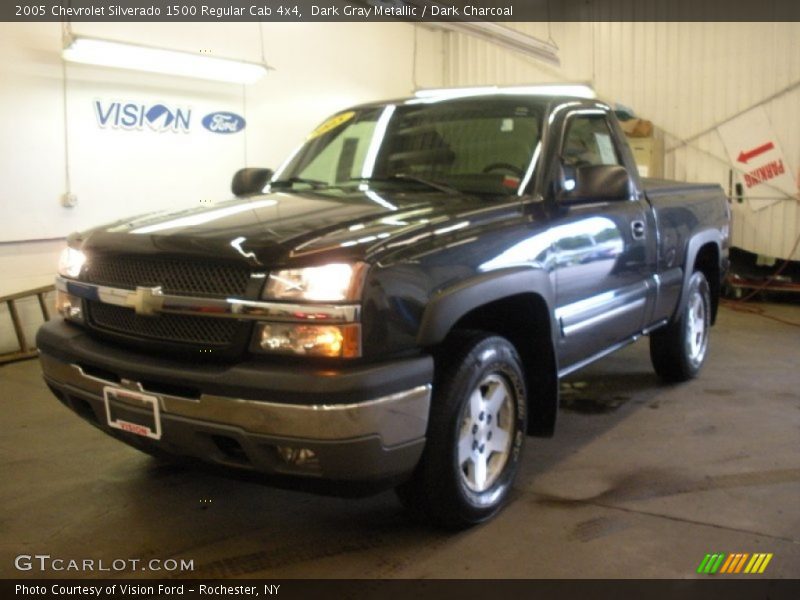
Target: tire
[[679, 350], [472, 454]]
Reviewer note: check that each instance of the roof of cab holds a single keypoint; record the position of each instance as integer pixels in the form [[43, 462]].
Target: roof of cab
[[546, 91]]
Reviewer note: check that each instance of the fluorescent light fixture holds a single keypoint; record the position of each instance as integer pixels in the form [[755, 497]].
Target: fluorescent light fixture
[[121, 55], [577, 90], [506, 37]]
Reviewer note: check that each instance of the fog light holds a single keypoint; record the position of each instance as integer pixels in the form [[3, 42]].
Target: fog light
[[298, 457], [310, 340], [69, 306]]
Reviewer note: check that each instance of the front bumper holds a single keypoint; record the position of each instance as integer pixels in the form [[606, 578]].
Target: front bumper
[[360, 423]]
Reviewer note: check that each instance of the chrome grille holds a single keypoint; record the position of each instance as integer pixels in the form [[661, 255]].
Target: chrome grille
[[175, 276], [201, 331]]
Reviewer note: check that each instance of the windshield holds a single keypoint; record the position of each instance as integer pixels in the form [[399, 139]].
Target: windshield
[[476, 145]]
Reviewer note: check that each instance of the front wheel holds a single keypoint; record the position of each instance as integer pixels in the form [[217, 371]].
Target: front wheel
[[475, 434], [679, 350]]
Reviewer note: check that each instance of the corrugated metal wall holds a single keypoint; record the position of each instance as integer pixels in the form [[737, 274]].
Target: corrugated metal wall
[[685, 77]]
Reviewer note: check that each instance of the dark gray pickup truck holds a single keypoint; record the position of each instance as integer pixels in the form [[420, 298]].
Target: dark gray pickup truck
[[395, 305]]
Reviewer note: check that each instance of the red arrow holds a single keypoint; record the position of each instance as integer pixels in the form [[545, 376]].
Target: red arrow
[[745, 156]]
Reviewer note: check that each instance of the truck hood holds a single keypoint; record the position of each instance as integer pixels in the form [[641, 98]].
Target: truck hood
[[294, 228]]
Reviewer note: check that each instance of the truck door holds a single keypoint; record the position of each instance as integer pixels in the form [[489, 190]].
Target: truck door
[[602, 255]]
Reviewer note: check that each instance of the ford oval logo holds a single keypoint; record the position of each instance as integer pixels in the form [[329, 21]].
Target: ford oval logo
[[223, 122]]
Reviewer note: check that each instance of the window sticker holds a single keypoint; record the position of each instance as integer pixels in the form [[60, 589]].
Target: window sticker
[[507, 125], [606, 148], [331, 124]]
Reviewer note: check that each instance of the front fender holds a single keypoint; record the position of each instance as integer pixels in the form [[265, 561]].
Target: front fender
[[447, 306], [538, 352]]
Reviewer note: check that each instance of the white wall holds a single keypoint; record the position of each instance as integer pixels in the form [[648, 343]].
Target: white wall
[[686, 78], [319, 68]]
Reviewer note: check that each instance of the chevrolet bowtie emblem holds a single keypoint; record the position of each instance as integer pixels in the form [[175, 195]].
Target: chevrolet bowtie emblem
[[146, 301]]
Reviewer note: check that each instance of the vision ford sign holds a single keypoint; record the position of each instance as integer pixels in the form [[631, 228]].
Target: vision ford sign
[[223, 122], [130, 115]]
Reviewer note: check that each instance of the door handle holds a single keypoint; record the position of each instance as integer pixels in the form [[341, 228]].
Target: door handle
[[638, 230]]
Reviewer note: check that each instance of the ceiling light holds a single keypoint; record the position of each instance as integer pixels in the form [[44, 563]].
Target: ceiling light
[[512, 39], [120, 55]]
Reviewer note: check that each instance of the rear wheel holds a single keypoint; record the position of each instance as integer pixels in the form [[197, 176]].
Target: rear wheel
[[475, 433], [679, 350]]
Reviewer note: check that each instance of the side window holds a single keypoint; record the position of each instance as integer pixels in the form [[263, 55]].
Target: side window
[[588, 142]]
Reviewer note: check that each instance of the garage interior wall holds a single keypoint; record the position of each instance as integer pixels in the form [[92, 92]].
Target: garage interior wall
[[686, 78], [116, 173]]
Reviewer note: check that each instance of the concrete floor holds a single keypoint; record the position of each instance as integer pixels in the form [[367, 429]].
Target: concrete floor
[[641, 480]]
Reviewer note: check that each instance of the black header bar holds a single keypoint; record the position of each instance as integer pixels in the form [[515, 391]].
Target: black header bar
[[710, 588], [423, 11]]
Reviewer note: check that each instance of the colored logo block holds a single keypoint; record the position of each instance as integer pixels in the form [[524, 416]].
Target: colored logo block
[[737, 562]]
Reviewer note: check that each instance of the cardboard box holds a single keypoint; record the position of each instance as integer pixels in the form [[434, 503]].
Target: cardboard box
[[639, 128], [648, 152]]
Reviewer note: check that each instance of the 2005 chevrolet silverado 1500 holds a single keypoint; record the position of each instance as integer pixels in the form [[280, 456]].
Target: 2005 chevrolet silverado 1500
[[397, 304]]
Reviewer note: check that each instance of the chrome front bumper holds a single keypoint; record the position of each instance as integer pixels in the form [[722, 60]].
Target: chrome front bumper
[[364, 439], [394, 419]]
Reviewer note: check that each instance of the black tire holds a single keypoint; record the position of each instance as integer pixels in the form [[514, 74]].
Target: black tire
[[679, 349], [475, 369]]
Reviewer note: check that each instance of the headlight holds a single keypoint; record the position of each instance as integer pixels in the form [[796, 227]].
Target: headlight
[[335, 282], [70, 262]]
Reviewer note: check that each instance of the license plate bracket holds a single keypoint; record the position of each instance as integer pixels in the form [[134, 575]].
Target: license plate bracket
[[133, 412]]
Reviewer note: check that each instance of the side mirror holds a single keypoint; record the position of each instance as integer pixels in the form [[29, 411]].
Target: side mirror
[[247, 182], [594, 183]]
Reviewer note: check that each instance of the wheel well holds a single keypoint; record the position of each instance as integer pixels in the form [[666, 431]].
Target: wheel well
[[707, 261], [524, 320]]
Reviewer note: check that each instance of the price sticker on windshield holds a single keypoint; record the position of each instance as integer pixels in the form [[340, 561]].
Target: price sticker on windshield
[[331, 124]]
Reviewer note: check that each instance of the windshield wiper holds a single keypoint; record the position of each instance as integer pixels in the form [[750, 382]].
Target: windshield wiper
[[290, 181], [436, 185]]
